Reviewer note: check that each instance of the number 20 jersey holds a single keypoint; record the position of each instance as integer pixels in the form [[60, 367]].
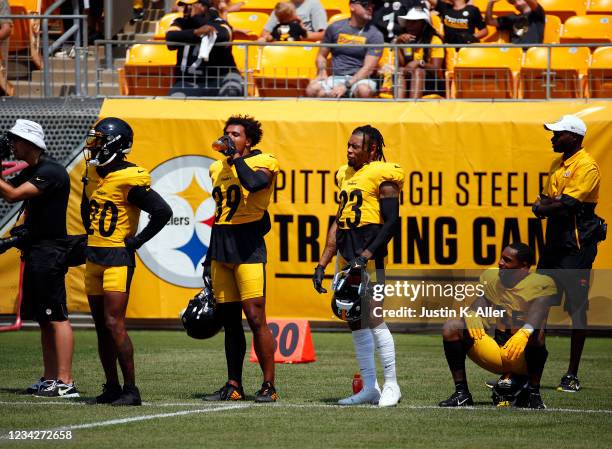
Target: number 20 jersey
[[112, 216]]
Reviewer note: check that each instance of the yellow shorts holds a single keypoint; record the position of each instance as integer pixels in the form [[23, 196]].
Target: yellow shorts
[[487, 354], [234, 282], [102, 278]]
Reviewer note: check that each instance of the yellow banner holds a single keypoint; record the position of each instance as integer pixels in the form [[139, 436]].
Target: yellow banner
[[472, 172]]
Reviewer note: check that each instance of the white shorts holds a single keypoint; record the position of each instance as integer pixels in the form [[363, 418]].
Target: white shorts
[[332, 81]]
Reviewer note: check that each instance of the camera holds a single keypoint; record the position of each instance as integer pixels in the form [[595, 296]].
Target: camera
[[6, 147], [225, 145], [18, 238]]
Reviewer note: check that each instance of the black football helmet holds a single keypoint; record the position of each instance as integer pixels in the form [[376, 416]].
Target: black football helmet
[[111, 137], [200, 318], [350, 287]]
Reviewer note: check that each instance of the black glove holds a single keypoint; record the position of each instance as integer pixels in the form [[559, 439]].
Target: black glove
[[132, 243], [317, 279], [359, 262]]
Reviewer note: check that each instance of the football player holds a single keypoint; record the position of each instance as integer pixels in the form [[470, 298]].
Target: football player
[[524, 298], [242, 185], [364, 225], [110, 217]]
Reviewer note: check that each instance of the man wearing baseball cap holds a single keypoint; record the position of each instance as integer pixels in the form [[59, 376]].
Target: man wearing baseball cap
[[44, 187], [573, 230]]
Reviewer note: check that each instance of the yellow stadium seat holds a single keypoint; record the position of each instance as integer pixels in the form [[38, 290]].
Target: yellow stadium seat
[[259, 5], [285, 71], [161, 27], [600, 74], [335, 6], [501, 8], [25, 37], [247, 25], [568, 67], [552, 30], [251, 66], [339, 16], [584, 29], [600, 7], [486, 72], [564, 8], [149, 69], [28, 5]]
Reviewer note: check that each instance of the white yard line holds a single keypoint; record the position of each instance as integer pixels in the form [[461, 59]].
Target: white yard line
[[113, 422], [306, 405]]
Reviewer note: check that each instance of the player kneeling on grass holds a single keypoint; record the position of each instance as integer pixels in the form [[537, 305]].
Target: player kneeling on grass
[[523, 300], [111, 218]]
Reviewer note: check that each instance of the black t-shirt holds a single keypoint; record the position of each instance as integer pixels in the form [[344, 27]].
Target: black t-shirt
[[220, 61], [524, 28], [45, 216], [460, 25], [291, 31], [386, 13]]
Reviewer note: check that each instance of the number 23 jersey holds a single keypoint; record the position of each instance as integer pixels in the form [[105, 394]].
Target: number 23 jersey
[[112, 216]]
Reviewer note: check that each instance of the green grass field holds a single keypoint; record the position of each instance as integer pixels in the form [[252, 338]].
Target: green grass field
[[173, 371]]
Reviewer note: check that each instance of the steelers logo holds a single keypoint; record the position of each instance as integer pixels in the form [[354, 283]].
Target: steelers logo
[[176, 253]]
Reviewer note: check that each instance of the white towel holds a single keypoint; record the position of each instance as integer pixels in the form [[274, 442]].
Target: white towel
[[206, 45]]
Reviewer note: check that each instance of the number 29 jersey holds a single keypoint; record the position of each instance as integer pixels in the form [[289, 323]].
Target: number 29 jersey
[[112, 216]]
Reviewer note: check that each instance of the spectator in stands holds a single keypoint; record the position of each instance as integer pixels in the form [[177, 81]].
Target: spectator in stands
[[526, 27], [352, 65], [463, 23], [421, 65], [201, 73], [223, 7], [386, 14], [289, 26], [6, 28], [310, 12]]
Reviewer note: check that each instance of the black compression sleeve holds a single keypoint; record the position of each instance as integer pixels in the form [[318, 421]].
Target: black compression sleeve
[[85, 210], [150, 201], [389, 209], [253, 181], [186, 36]]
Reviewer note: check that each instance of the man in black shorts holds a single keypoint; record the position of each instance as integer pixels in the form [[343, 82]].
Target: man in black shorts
[[44, 186]]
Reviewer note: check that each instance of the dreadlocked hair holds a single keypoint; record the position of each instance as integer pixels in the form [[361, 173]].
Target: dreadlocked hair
[[372, 136]]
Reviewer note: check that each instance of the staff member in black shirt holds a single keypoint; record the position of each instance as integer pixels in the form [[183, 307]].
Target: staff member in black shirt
[[44, 187]]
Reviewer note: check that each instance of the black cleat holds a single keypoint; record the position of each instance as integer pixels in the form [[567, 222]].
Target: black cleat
[[227, 392], [569, 383], [110, 393], [458, 399], [129, 396], [530, 398], [37, 385], [267, 393]]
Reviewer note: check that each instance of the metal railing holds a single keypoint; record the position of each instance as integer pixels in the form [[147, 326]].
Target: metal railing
[[514, 75]]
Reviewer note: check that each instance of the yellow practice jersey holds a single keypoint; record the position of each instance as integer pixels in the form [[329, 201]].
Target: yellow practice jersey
[[235, 204], [112, 217], [359, 192], [518, 298]]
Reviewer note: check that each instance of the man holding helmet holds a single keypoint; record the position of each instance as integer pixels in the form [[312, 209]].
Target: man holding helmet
[[111, 217], [44, 187], [365, 222]]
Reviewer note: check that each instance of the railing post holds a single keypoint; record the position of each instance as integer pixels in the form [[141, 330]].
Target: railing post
[[108, 32], [548, 63], [245, 90], [45, 39]]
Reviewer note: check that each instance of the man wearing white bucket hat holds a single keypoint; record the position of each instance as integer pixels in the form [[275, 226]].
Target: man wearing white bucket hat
[[573, 229], [44, 187]]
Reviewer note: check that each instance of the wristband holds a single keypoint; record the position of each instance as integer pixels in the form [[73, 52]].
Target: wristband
[[529, 328]]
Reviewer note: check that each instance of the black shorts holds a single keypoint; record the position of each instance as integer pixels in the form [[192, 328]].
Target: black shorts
[[572, 274], [44, 288]]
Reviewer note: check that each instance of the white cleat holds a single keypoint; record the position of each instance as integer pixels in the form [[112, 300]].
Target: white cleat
[[390, 395], [365, 396]]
